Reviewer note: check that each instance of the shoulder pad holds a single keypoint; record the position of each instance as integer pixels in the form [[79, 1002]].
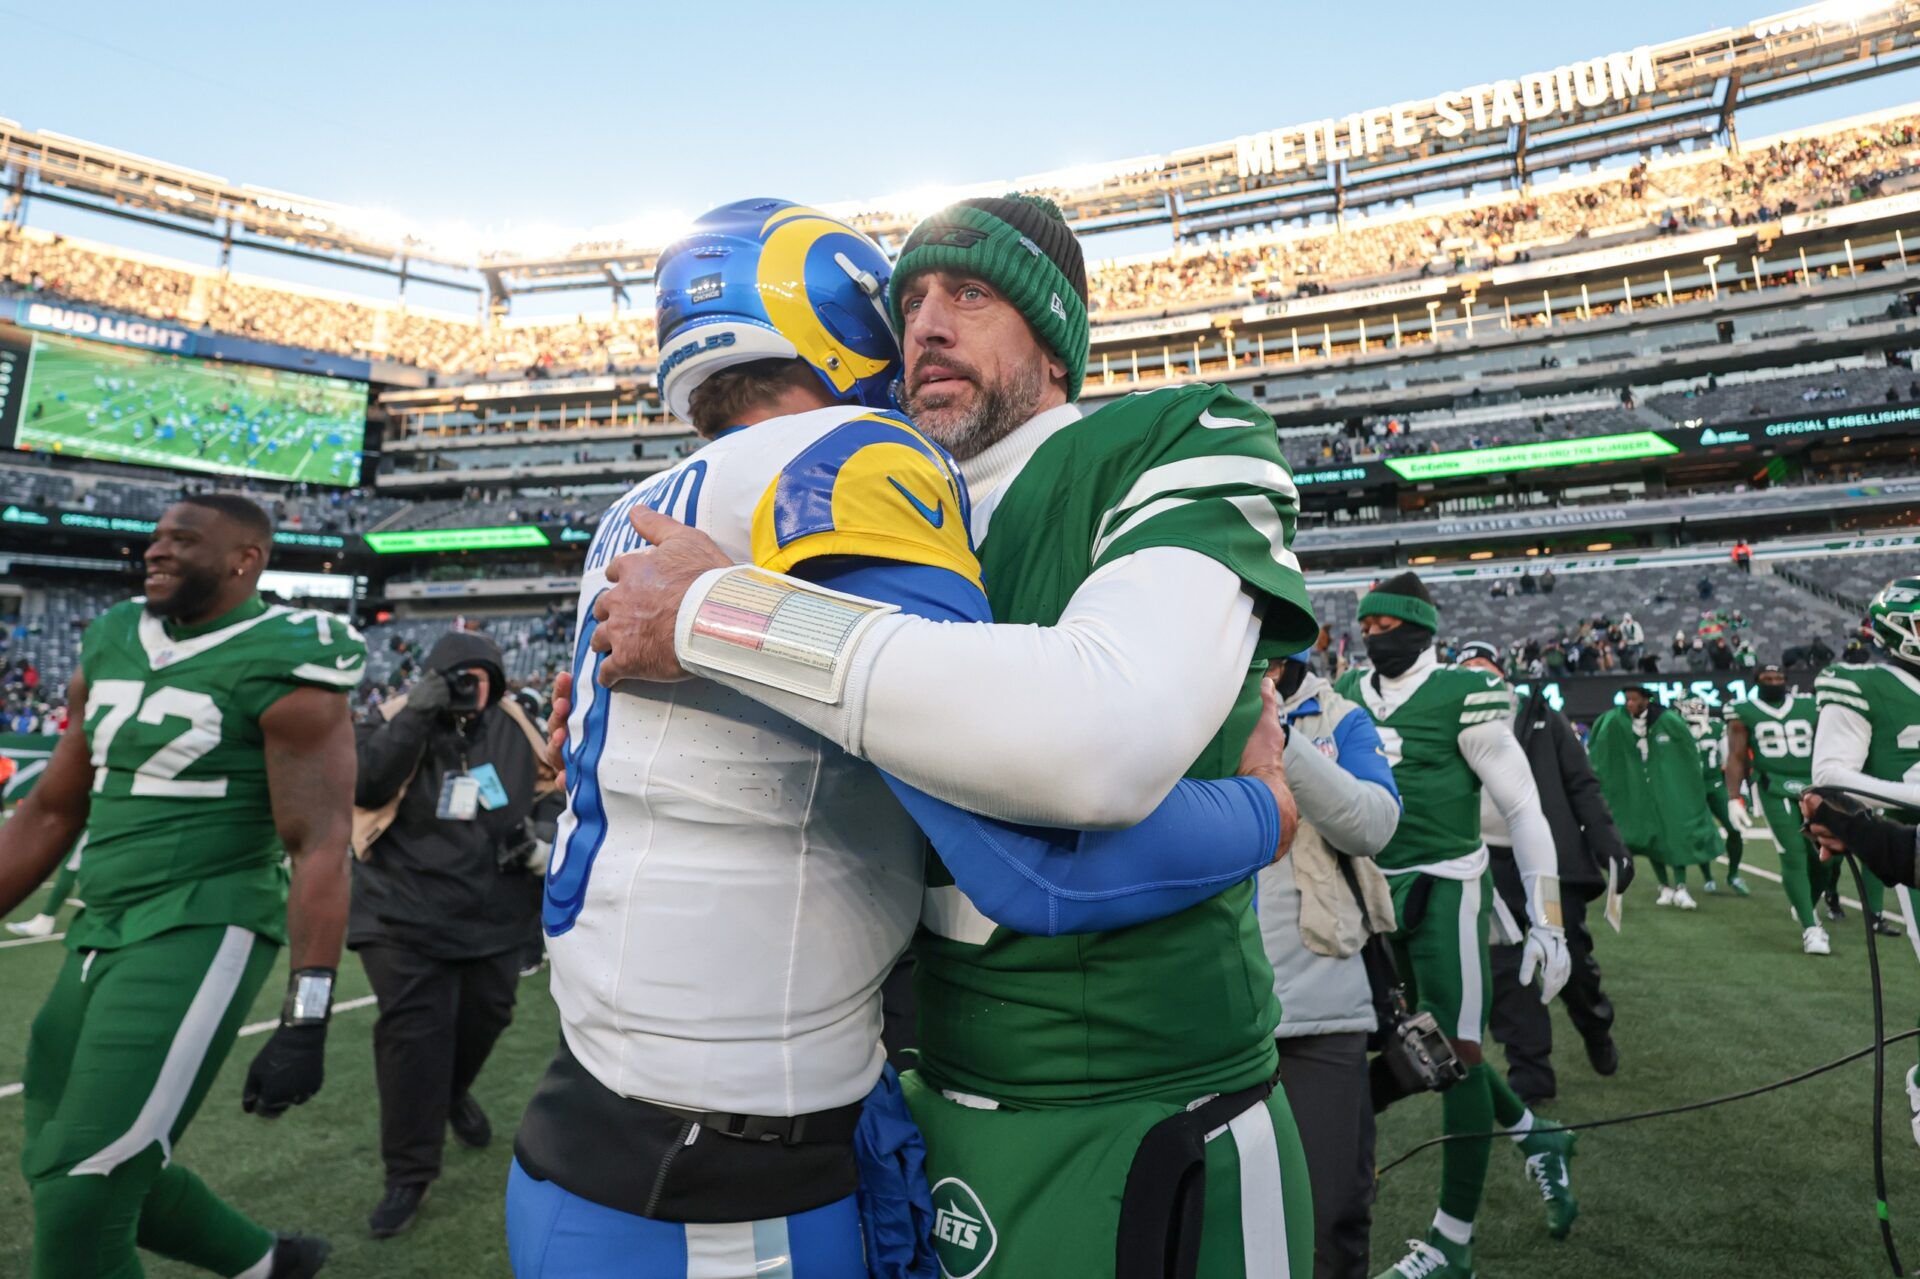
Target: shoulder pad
[[873, 487]]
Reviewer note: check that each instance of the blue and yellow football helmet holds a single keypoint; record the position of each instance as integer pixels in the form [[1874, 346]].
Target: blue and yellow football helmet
[[771, 279]]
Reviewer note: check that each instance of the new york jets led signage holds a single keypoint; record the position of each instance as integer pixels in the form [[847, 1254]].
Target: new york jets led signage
[[1524, 457], [504, 537]]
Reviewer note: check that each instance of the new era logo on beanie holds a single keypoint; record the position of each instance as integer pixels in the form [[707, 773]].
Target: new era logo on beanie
[[1021, 245]]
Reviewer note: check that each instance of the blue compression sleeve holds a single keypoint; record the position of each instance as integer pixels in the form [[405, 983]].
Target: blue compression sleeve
[[1203, 838], [1361, 753]]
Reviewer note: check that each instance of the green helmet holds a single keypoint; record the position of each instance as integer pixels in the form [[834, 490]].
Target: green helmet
[[1894, 616]]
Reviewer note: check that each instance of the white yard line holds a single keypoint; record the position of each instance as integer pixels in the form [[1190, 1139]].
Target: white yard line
[[30, 941]]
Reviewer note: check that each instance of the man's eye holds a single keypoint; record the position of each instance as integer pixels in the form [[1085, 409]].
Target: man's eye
[[973, 291]]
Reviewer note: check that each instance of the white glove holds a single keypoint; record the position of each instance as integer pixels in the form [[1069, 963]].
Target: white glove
[[1546, 953], [1913, 1100], [1737, 812]]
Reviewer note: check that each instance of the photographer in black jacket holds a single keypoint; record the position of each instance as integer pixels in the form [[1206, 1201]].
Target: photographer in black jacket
[[1587, 842], [442, 907]]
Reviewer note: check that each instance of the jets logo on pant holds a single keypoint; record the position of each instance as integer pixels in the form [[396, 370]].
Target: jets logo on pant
[[963, 1234]]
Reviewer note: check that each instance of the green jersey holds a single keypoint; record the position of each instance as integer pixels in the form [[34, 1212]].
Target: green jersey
[[1439, 791], [1181, 1005], [180, 829], [1779, 739], [1889, 700], [1707, 742]]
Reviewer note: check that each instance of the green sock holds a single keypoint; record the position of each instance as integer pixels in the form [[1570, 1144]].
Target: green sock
[[1660, 873], [1873, 893], [184, 1220], [1797, 878], [1508, 1109], [1467, 1107]]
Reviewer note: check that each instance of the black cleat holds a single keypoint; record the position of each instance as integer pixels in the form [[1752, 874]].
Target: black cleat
[[397, 1208], [1886, 927], [1833, 905], [1604, 1055], [469, 1123], [298, 1257]]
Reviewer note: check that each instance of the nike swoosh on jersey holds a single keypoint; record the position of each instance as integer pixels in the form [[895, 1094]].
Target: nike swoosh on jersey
[[1214, 422], [344, 662], [936, 517]]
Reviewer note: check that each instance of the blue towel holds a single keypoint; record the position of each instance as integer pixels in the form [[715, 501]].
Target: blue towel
[[896, 1204]]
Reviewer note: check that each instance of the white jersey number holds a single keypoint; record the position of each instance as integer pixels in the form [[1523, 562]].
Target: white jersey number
[[115, 701]]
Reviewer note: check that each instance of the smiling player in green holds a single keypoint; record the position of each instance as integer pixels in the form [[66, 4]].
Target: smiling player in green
[[215, 743]]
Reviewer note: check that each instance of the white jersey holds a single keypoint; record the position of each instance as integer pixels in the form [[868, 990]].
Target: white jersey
[[727, 889]]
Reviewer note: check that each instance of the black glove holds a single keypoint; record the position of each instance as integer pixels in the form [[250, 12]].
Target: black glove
[[1884, 847], [430, 694], [1623, 872], [287, 1071], [516, 848]]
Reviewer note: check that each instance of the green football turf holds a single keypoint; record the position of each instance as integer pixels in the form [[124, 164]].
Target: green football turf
[[1709, 1002], [309, 427]]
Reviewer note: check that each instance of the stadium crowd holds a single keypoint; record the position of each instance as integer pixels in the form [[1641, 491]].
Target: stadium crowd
[[1716, 188]]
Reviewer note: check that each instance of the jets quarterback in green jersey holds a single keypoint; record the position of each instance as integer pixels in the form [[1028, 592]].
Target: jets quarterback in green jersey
[[1138, 565], [1770, 739], [210, 746]]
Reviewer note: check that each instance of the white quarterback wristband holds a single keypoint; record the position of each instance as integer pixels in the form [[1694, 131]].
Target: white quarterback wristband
[[774, 630]]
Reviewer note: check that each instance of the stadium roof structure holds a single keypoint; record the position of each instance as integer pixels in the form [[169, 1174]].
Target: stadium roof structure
[[1503, 132]]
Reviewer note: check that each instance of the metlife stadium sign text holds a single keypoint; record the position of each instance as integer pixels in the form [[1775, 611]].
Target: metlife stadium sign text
[[1486, 108], [103, 327]]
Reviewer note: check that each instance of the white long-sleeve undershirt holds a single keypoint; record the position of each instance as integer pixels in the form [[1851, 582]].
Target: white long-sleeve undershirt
[[1841, 741], [1085, 724], [1500, 762]]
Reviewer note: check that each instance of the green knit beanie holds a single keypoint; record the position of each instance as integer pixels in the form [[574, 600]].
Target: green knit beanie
[[1403, 596], [1021, 245]]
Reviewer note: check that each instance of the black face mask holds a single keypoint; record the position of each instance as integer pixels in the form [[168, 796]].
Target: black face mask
[[1773, 694], [1292, 676], [1394, 652]]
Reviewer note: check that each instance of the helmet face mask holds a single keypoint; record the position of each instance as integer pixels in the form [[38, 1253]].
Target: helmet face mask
[[771, 279], [1895, 618]]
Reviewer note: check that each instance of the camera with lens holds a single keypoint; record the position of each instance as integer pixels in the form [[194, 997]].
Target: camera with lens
[[463, 691]]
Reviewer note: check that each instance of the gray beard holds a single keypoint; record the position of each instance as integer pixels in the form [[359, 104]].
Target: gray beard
[[1000, 409]]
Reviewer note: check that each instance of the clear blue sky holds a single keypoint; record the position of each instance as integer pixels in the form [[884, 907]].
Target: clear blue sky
[[580, 115]]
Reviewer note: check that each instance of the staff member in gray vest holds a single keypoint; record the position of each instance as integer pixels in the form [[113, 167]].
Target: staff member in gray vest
[[1314, 917]]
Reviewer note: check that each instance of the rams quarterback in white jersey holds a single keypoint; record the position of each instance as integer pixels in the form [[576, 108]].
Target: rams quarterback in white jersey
[[728, 889]]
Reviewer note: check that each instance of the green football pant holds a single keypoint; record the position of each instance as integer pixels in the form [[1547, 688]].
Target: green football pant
[[1442, 957], [1020, 1193], [1722, 812], [118, 1061], [1797, 858], [1672, 876]]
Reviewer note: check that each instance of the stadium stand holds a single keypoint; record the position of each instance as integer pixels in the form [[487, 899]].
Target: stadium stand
[[1708, 188], [1689, 601]]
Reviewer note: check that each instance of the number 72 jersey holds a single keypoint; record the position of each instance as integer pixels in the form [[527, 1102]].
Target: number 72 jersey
[[180, 827]]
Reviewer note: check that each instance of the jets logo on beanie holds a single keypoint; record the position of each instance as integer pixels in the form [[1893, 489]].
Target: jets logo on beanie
[[1022, 246]]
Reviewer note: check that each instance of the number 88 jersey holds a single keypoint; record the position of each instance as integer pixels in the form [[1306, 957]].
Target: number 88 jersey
[[1779, 739], [180, 829]]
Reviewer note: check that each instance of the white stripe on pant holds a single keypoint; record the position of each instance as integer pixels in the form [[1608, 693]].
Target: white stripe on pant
[[1263, 1216], [1472, 951]]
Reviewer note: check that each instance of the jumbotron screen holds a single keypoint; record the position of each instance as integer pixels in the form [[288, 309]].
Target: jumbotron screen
[[124, 404]]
